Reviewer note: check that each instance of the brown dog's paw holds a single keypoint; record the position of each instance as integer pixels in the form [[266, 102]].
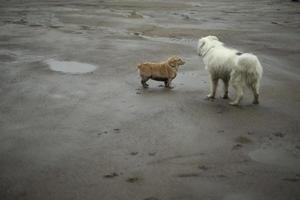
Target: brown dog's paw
[[145, 85], [169, 87]]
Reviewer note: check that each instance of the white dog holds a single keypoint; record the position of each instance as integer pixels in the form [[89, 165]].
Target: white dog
[[240, 69]]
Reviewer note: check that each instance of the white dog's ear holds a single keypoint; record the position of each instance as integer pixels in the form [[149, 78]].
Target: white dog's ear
[[201, 43]]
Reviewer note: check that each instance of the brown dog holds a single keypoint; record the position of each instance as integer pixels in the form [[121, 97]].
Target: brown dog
[[165, 71]]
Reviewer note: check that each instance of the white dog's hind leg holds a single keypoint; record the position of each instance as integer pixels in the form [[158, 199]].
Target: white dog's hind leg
[[255, 90], [239, 94], [213, 87]]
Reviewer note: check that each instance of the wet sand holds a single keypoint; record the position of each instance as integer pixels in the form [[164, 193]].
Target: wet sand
[[92, 132]]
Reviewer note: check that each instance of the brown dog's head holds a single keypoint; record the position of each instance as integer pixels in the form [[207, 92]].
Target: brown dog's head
[[175, 61]]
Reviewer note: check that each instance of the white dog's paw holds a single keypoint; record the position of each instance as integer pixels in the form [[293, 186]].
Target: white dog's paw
[[210, 96], [234, 103]]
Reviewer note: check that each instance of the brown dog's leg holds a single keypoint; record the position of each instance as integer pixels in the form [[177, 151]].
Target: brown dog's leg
[[168, 84], [144, 80]]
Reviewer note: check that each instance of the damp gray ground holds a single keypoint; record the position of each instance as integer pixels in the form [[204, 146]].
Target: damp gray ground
[[91, 131]]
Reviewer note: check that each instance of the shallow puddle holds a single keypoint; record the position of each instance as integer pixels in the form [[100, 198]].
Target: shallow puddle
[[278, 157], [70, 67]]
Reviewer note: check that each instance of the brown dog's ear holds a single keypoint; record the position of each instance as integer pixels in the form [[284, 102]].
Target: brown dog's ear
[[172, 58], [172, 61]]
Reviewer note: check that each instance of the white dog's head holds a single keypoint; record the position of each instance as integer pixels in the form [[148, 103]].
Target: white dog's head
[[206, 43]]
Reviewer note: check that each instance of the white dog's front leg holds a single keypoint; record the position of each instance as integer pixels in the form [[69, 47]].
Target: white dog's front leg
[[213, 88], [226, 85]]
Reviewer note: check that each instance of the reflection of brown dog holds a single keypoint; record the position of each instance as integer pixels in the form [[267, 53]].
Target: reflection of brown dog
[[165, 71]]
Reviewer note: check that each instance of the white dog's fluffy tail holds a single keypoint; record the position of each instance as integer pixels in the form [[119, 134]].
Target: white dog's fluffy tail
[[251, 69]]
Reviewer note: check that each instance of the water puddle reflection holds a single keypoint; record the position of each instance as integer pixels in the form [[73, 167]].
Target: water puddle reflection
[[70, 67]]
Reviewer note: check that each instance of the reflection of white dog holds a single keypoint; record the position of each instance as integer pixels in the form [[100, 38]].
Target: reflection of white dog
[[241, 69]]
